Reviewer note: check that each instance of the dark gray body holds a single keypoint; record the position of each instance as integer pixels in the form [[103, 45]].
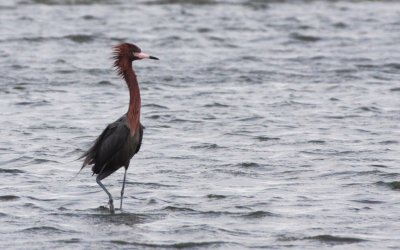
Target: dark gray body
[[114, 148]]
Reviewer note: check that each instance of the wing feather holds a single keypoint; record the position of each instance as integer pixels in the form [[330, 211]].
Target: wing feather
[[106, 146]]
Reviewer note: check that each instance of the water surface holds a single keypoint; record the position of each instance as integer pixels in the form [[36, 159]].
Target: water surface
[[269, 124]]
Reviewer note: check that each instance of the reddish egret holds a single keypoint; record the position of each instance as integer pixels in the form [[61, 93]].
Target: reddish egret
[[120, 140]]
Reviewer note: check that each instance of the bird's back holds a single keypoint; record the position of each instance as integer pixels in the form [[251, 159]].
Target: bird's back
[[114, 148]]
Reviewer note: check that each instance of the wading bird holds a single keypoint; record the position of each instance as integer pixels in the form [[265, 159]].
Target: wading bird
[[120, 140]]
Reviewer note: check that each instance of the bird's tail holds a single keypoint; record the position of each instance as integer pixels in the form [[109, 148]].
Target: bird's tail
[[84, 164]]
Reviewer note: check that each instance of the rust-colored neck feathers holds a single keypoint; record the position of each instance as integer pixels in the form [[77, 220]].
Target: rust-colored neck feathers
[[123, 64]]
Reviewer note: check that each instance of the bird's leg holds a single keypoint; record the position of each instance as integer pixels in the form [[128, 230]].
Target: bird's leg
[[122, 190], [109, 195]]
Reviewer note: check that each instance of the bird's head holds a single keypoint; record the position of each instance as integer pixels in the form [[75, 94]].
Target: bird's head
[[130, 52]]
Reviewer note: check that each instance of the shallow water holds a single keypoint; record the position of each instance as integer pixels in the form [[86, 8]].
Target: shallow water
[[269, 124]]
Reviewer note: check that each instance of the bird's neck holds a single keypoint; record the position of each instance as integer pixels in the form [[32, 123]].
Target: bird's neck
[[134, 100]]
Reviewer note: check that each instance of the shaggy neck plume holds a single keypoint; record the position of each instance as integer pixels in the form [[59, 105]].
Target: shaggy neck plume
[[126, 71]]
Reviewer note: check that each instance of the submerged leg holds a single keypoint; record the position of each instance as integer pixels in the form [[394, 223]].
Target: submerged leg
[[122, 190], [109, 195]]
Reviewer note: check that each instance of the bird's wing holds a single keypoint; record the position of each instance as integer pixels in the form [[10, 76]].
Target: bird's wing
[[139, 144], [115, 138], [111, 140]]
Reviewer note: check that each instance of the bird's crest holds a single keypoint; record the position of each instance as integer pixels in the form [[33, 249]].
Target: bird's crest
[[120, 51], [123, 57]]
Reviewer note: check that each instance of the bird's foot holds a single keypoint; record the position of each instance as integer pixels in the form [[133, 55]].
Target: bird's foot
[[112, 210]]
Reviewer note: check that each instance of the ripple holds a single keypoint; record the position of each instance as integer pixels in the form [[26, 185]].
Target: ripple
[[251, 118], [31, 205], [182, 245], [305, 38], [341, 117], [267, 138], [369, 109], [379, 166], [178, 209], [216, 196], [253, 125], [394, 66], [72, 2], [340, 25], [177, 120], [204, 30], [395, 185], [123, 218], [33, 104], [258, 215], [105, 83], [19, 88], [69, 241], [335, 239], [367, 201], [154, 117], [206, 146], [40, 199], [151, 185], [389, 142], [8, 197], [153, 105], [65, 71], [46, 230], [216, 104], [251, 58], [41, 161], [11, 171], [192, 2], [316, 141], [249, 165]]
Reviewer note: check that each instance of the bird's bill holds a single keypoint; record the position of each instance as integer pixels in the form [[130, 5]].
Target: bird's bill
[[142, 55]]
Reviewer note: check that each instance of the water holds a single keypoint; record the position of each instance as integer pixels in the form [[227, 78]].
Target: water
[[269, 124]]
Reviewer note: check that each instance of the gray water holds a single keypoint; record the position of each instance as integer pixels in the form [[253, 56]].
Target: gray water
[[269, 124]]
